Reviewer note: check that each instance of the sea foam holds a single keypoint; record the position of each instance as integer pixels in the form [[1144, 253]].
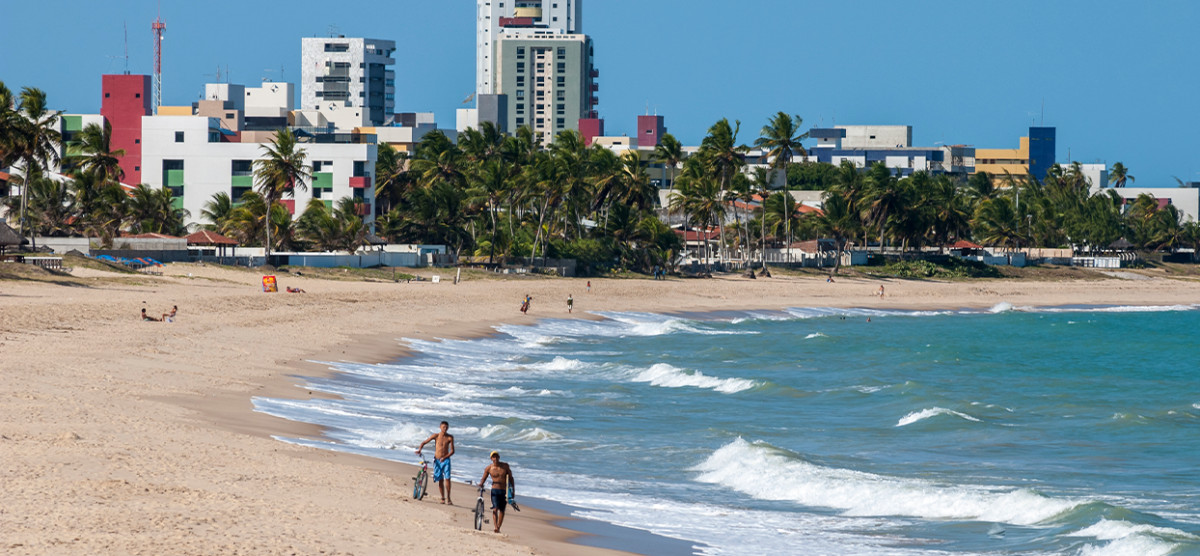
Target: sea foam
[[670, 376], [742, 465]]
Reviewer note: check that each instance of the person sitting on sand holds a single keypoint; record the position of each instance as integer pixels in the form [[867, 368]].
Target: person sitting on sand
[[295, 290], [148, 317], [443, 448], [503, 485], [170, 317]]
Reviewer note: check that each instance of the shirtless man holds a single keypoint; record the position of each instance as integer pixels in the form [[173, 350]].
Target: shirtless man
[[502, 482], [443, 448]]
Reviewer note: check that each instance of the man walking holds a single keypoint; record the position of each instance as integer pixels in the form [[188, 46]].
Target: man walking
[[503, 487], [443, 448]]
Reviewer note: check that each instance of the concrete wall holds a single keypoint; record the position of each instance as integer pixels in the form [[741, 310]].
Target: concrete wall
[[364, 260]]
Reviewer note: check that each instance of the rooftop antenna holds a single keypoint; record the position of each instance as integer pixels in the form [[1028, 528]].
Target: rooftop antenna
[[333, 30], [126, 56], [158, 27]]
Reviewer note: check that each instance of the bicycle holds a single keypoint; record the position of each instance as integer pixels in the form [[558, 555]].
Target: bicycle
[[480, 516], [421, 481]]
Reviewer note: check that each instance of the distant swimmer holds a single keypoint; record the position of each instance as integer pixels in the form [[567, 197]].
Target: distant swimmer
[[503, 487], [443, 448]]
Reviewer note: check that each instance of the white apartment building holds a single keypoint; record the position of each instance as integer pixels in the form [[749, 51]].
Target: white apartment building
[[195, 158], [339, 72], [518, 16]]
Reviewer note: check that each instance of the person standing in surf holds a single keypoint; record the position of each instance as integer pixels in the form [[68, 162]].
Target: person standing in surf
[[443, 448], [503, 487]]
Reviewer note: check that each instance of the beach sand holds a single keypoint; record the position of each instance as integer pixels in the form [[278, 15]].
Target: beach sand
[[126, 437]]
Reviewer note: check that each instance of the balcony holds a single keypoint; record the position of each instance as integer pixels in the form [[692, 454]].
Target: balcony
[[595, 87], [322, 180], [595, 73], [290, 205], [362, 209], [361, 182]]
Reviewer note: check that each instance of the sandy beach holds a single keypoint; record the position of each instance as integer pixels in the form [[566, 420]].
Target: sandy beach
[[127, 437]]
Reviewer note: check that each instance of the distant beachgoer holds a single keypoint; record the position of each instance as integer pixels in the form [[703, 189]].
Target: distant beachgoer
[[525, 304], [880, 292], [589, 286], [443, 448], [829, 279], [503, 486], [148, 317], [170, 317], [295, 290], [570, 303]]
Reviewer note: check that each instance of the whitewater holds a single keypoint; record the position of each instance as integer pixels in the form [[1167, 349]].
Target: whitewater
[[1013, 430]]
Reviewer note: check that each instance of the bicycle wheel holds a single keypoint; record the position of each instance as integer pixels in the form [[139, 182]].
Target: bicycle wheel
[[420, 482], [479, 514]]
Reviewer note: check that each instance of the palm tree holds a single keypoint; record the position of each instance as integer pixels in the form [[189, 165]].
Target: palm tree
[[839, 221], [96, 154], [882, 197], [669, 152], [723, 157], [150, 210], [782, 138], [761, 186], [1119, 175], [37, 139], [282, 171], [217, 212], [391, 177]]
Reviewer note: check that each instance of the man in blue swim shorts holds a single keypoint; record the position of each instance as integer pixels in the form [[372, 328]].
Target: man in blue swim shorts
[[503, 486], [443, 448]]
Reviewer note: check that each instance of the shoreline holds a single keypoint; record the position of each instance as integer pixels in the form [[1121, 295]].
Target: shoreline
[[132, 437]]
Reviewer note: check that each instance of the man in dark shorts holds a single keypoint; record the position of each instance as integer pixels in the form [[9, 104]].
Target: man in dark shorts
[[443, 448], [502, 485]]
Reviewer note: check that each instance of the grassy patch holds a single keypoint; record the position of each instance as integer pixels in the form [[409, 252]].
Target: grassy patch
[[951, 270]]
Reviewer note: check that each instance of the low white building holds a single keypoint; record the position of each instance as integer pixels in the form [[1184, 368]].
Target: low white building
[[196, 159]]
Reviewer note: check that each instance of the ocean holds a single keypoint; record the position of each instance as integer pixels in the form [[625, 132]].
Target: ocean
[[1015, 430]]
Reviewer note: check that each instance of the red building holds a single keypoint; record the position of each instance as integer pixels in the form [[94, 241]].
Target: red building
[[650, 131], [591, 128], [126, 100]]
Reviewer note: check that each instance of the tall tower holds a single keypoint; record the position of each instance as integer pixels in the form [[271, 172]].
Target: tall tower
[[494, 17], [349, 72], [158, 27]]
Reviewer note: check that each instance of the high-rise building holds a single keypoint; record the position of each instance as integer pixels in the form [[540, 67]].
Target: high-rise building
[[494, 17], [126, 100], [548, 80], [338, 72]]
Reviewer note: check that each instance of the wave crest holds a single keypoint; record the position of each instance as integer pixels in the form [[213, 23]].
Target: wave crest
[[670, 376], [932, 412]]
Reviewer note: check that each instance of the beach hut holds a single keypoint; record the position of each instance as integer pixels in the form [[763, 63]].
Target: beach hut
[[964, 248], [8, 237], [206, 238]]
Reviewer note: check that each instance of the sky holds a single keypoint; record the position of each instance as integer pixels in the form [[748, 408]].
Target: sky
[[1118, 79]]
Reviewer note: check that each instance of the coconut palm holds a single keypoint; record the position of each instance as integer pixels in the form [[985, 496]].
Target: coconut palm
[[669, 152], [37, 139], [840, 222], [96, 154], [782, 139], [1119, 175], [151, 210], [217, 211], [723, 157], [392, 177], [882, 198], [278, 174]]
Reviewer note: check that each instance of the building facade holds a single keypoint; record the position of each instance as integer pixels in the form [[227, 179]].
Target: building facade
[[1033, 156], [890, 145], [196, 158], [493, 16], [340, 72], [547, 80], [126, 99]]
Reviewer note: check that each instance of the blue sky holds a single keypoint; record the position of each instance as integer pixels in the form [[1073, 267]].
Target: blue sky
[[1118, 79]]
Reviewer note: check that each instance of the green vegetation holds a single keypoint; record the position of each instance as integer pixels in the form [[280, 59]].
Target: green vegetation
[[954, 268]]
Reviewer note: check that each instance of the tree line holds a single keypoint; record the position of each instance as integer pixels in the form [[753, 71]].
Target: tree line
[[498, 196]]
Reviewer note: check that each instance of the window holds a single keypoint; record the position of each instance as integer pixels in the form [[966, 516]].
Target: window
[[337, 47], [316, 193], [521, 94], [562, 66], [562, 95], [178, 136], [106, 95], [242, 168], [561, 122], [137, 95], [562, 80], [520, 121], [229, 115], [520, 66], [137, 141], [562, 53]]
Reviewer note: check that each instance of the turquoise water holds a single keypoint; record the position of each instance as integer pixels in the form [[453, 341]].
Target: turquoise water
[[813, 431]]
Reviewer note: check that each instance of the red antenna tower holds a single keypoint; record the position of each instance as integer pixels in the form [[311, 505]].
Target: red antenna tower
[[158, 26]]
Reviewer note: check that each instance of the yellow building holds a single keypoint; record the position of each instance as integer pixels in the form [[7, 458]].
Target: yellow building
[[1033, 157]]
